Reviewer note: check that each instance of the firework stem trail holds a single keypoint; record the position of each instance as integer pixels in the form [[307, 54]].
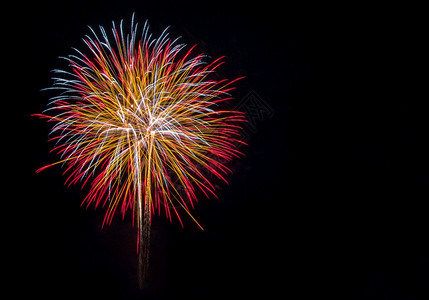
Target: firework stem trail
[[144, 219]]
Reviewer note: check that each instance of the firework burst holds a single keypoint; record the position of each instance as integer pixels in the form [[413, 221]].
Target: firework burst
[[138, 121]]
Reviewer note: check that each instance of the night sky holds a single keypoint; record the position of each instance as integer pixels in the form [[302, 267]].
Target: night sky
[[329, 201]]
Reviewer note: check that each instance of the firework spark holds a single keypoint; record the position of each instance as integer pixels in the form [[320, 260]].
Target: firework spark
[[138, 120]]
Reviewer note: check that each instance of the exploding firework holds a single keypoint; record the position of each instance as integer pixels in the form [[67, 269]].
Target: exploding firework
[[139, 121]]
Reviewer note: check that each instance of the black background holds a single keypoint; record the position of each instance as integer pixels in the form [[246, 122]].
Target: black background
[[328, 203]]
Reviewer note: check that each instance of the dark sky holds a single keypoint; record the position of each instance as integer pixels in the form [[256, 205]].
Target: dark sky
[[328, 203]]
